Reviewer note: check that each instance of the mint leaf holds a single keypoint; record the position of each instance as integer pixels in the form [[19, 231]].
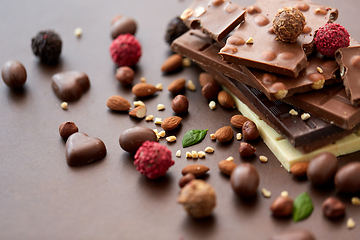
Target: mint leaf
[[193, 136], [302, 207]]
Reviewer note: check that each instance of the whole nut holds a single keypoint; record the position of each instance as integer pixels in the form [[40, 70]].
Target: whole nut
[[196, 169], [210, 90], [144, 89], [118, 103], [246, 149], [172, 63], [333, 208], [177, 85], [205, 78], [299, 169], [67, 128], [180, 104], [226, 167], [249, 131], [171, 123], [225, 99], [186, 179], [282, 206], [224, 134], [125, 75], [238, 120]]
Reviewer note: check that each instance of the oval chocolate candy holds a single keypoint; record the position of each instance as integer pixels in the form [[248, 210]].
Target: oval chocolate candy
[[131, 139], [245, 180], [322, 168], [347, 179], [14, 74]]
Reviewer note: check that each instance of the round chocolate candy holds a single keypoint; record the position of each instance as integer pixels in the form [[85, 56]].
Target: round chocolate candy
[[131, 139], [122, 25], [245, 180], [347, 179], [322, 168], [14, 74]]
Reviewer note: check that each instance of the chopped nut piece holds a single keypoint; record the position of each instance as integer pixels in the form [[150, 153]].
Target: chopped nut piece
[[78, 32], [201, 154], [238, 136], [263, 159], [209, 150], [281, 94], [149, 118], [350, 223], [142, 79], [188, 155], [266, 193], [178, 153], [194, 154], [355, 201], [318, 84], [171, 139], [138, 103], [212, 136], [160, 107], [305, 116], [191, 85], [284, 194], [158, 121], [162, 133], [156, 131], [319, 69], [230, 159], [64, 105], [159, 86], [250, 40], [212, 105], [293, 112], [186, 62]]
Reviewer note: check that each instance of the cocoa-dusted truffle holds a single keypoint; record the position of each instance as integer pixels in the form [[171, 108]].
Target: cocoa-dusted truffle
[[175, 29], [288, 24], [47, 46], [198, 198]]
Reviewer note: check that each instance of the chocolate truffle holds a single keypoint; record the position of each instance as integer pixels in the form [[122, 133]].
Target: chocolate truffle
[[125, 50], [47, 46], [288, 24], [175, 29], [14, 74]]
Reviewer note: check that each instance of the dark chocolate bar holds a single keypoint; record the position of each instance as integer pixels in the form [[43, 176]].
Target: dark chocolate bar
[[349, 61], [204, 15], [267, 53]]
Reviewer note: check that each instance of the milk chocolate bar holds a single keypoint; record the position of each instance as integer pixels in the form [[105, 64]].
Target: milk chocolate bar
[[205, 14], [349, 61], [267, 53], [203, 50]]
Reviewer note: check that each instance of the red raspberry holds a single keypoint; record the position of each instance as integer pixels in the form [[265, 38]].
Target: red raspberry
[[153, 159], [125, 50]]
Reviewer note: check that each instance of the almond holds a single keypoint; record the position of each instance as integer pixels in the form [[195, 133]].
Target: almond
[[138, 112], [118, 103], [299, 169], [177, 85], [238, 121], [224, 134], [210, 90], [144, 89], [196, 169], [171, 123], [205, 78], [226, 167], [172, 63], [225, 99]]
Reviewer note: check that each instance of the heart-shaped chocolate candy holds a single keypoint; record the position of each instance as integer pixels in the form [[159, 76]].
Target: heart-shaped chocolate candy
[[69, 86], [81, 149]]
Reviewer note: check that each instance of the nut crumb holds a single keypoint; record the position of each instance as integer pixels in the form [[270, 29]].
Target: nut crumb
[[230, 159], [293, 112], [142, 79], [305, 116], [171, 139], [319, 69], [266, 193], [194, 154], [250, 40], [238, 136], [318, 84], [212, 136], [149, 118], [355, 201], [186, 62], [201, 154], [209, 150], [162, 133], [160, 107], [281, 94], [78, 32], [158, 121], [138, 103], [159, 86], [263, 159], [188, 155], [350, 223], [212, 105], [284, 194], [155, 131], [64, 105], [191, 85]]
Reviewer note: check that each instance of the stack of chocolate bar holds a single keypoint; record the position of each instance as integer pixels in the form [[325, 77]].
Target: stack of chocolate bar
[[279, 84]]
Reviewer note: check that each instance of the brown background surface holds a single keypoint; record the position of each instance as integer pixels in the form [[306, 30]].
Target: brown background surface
[[43, 198]]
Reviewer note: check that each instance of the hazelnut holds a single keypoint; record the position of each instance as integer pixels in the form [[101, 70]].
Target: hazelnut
[[67, 128], [125, 75], [210, 90], [333, 208], [250, 131], [180, 104], [282, 206], [246, 150]]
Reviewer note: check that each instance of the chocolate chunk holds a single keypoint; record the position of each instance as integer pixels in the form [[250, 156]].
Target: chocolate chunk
[[131, 139], [122, 25], [69, 86], [256, 26], [205, 16], [81, 149], [347, 179], [349, 61], [322, 168], [294, 234], [47, 46], [288, 24], [175, 29], [14, 74], [245, 180]]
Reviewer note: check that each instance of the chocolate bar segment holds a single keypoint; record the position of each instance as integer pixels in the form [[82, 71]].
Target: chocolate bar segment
[[267, 53], [349, 61], [217, 18]]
